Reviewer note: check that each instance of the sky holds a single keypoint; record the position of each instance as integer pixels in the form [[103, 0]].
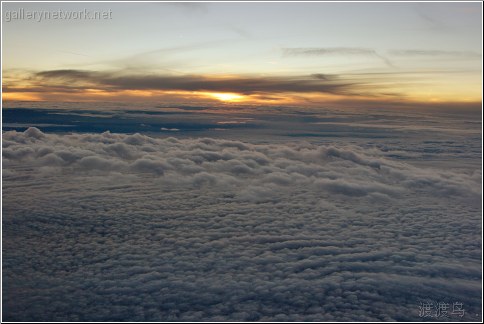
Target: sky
[[246, 53]]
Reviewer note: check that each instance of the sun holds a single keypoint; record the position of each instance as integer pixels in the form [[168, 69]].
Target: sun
[[228, 97]]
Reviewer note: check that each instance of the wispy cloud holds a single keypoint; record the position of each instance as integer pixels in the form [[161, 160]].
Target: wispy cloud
[[321, 51], [73, 53], [189, 6], [328, 51], [439, 53]]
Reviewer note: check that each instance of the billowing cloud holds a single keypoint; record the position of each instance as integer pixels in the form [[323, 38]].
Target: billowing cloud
[[116, 227]]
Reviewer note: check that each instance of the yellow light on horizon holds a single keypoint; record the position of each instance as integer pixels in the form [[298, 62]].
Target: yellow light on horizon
[[227, 97], [20, 96]]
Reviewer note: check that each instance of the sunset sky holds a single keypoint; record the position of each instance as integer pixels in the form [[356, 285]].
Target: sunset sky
[[247, 53]]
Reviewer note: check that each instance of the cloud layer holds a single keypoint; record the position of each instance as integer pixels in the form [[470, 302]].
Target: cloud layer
[[129, 227], [239, 84]]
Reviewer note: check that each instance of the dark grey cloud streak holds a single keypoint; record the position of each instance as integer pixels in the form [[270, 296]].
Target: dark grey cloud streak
[[246, 85], [320, 51]]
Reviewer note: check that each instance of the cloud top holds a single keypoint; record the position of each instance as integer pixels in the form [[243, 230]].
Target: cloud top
[[118, 227]]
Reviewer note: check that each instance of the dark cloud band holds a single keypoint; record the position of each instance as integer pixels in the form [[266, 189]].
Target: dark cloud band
[[246, 85]]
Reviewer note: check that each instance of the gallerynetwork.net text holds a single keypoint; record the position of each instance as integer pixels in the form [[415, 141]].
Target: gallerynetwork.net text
[[41, 15]]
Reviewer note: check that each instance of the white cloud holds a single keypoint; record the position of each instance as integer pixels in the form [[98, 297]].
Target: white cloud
[[129, 227]]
